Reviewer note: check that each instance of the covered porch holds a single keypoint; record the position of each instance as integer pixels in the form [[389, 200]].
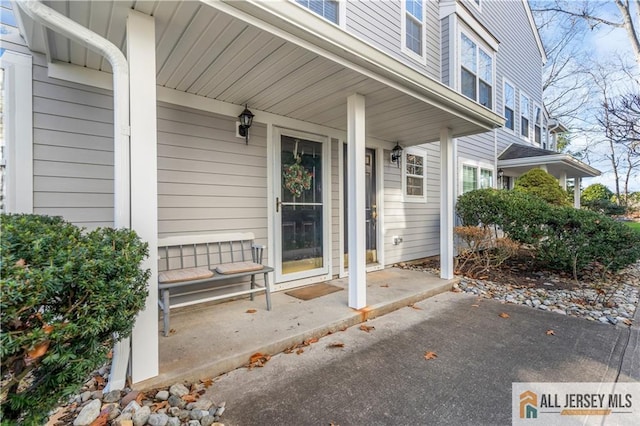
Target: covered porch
[[211, 339], [295, 71]]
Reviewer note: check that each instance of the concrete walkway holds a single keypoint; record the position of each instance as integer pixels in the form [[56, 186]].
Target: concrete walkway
[[381, 377], [211, 339]]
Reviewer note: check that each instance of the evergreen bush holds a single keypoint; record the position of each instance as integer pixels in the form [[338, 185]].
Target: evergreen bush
[[65, 295], [541, 184]]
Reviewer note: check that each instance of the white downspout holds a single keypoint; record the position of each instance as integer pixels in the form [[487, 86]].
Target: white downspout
[[121, 170]]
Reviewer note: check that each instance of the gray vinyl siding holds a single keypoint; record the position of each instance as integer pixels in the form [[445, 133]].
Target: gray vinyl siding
[[518, 60], [379, 23], [208, 179], [72, 150], [418, 224], [444, 46]]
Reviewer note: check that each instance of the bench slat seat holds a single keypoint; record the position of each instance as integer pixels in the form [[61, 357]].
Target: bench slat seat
[[215, 261]]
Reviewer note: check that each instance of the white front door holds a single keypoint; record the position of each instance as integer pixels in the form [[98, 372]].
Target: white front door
[[301, 220]]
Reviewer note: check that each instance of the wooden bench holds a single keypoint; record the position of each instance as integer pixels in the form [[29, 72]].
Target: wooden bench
[[192, 264]]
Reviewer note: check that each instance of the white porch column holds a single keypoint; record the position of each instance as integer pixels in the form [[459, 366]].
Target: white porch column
[[576, 192], [562, 180], [447, 202], [356, 201], [141, 52]]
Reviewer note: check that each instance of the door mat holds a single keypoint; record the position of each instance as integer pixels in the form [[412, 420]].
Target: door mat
[[313, 291]]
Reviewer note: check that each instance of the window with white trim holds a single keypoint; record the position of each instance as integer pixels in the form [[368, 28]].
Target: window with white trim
[[509, 105], [414, 172], [537, 124], [476, 72], [413, 28], [328, 9], [475, 176], [525, 116]]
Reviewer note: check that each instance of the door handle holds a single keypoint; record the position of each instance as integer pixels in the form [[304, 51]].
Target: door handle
[[278, 204]]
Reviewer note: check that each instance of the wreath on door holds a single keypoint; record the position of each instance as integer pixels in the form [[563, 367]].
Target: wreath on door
[[296, 177]]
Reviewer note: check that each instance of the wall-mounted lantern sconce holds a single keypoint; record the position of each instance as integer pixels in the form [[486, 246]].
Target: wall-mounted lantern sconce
[[396, 154], [246, 120], [500, 174]]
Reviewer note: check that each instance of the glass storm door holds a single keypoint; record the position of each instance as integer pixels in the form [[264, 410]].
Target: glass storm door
[[300, 234]]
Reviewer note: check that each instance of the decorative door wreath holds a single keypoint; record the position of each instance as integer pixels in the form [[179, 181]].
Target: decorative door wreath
[[296, 177]]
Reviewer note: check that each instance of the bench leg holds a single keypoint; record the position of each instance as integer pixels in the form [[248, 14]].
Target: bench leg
[[267, 291], [253, 285], [165, 311]]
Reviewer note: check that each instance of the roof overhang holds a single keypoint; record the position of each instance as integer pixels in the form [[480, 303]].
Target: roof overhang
[[319, 67], [558, 164]]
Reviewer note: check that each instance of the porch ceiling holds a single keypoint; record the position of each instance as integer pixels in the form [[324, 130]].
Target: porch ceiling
[[204, 51]]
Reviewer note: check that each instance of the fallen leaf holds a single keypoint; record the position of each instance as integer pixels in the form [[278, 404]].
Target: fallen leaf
[[207, 382], [251, 311], [258, 360], [430, 355], [102, 419], [475, 306], [39, 350], [417, 308], [299, 351], [384, 285], [310, 341], [159, 405], [627, 321], [367, 328], [256, 357], [550, 332], [21, 263], [189, 398], [336, 345], [504, 315], [139, 398]]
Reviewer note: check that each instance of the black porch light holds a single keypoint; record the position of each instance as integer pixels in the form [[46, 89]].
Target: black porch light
[[500, 173], [246, 120], [396, 154]]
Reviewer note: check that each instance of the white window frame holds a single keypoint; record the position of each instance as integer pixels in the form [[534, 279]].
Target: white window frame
[[539, 124], [342, 12], [478, 165], [423, 33], [506, 82], [419, 153], [523, 96], [479, 46], [18, 131]]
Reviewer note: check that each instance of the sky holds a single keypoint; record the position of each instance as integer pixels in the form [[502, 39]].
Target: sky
[[603, 43]]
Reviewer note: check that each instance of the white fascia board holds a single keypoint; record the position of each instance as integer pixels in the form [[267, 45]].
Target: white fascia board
[[565, 159], [81, 75], [534, 28], [288, 22]]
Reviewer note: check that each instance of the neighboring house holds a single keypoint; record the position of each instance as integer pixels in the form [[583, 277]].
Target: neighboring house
[[144, 133]]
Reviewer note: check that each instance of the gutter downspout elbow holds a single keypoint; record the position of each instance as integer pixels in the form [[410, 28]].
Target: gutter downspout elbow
[[67, 27]]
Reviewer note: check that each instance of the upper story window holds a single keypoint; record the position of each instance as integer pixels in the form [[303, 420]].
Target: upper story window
[[509, 105], [525, 116], [476, 72], [414, 175], [413, 27], [329, 9], [537, 124]]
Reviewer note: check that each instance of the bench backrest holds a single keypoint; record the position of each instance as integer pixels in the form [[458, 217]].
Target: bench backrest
[[187, 251]]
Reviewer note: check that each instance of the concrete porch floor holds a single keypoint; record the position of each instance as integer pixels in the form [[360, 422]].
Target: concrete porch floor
[[211, 339]]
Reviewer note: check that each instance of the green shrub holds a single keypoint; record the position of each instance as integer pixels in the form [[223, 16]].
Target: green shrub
[[541, 184], [577, 238], [521, 216], [598, 198], [64, 295], [561, 237]]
